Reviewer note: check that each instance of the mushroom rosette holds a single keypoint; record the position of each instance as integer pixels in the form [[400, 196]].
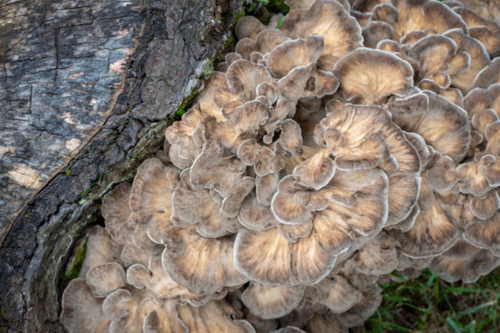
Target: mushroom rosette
[[357, 139]]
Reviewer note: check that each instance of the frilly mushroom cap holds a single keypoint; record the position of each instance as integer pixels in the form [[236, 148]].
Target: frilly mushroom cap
[[213, 317], [479, 59], [364, 6], [138, 311], [363, 138], [81, 311], [367, 305], [489, 75], [484, 208], [243, 78], [116, 213], [260, 157], [156, 280], [485, 31], [369, 76], [437, 59], [254, 216], [248, 27], [201, 207], [374, 32], [132, 254], [482, 119], [329, 19], [468, 270], [461, 250], [269, 302], [443, 125], [307, 82], [326, 323], [336, 293], [427, 14], [217, 168], [183, 149], [485, 234], [99, 249], [151, 197], [473, 176], [433, 233], [201, 265], [294, 53], [105, 278], [269, 258], [377, 257]]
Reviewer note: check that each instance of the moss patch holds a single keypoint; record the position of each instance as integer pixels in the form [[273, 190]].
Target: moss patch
[[75, 265]]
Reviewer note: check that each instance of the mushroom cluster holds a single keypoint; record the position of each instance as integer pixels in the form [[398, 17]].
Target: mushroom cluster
[[360, 138]]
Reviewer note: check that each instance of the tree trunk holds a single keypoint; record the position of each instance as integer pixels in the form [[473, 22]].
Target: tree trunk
[[86, 88]]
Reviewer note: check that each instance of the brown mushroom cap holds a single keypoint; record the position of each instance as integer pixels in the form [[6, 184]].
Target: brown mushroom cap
[[99, 249], [269, 302], [437, 58], [217, 168], [362, 310], [472, 178], [294, 53], [468, 270], [479, 59], [369, 76], [105, 278], [213, 317], [329, 19], [377, 257], [487, 32], [201, 265], [336, 293], [201, 207], [426, 14], [267, 257], [156, 280], [374, 32], [151, 197], [484, 233], [138, 311], [132, 254], [260, 157], [489, 75], [326, 323], [433, 233], [116, 213], [254, 216], [248, 27], [81, 311], [443, 125]]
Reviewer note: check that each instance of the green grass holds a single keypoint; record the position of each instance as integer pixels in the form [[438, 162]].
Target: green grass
[[429, 304]]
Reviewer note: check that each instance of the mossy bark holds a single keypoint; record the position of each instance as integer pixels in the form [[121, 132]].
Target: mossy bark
[[58, 88]]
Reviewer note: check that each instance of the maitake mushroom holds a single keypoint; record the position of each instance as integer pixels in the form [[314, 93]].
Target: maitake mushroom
[[359, 139]]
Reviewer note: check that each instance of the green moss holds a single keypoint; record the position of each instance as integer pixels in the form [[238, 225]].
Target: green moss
[[67, 172], [77, 264], [209, 68], [186, 104]]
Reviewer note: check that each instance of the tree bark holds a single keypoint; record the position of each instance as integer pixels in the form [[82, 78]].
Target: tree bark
[[86, 88]]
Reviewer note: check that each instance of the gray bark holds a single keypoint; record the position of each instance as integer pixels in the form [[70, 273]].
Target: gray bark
[[85, 88]]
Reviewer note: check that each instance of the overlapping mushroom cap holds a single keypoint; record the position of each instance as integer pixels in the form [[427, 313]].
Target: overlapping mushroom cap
[[360, 138]]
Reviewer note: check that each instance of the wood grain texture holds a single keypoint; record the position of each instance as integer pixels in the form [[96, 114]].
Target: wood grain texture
[[85, 89]]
